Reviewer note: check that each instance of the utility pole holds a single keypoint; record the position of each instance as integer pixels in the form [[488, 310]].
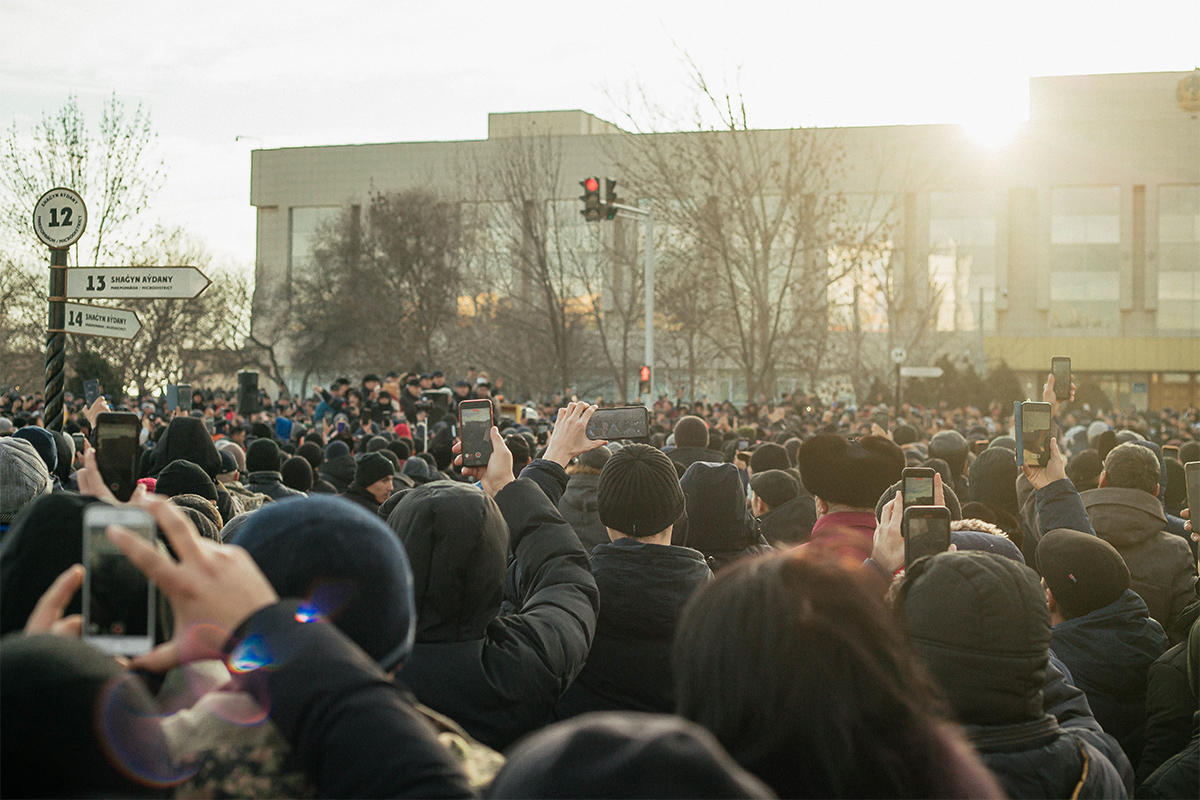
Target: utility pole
[[647, 216]]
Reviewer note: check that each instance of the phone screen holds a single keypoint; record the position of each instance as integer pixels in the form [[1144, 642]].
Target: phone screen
[[1060, 367], [185, 397], [118, 600], [918, 491], [1170, 451], [172, 397], [91, 391], [628, 422], [925, 535], [1035, 434], [476, 429], [117, 452], [1192, 474]]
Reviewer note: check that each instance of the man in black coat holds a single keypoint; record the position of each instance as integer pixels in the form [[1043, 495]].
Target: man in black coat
[[372, 482], [498, 676], [263, 461], [644, 582], [786, 516], [691, 443]]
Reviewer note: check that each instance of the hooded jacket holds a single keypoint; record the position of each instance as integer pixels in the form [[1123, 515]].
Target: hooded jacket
[[497, 676], [718, 523], [643, 588], [1161, 568], [338, 471], [1170, 710], [791, 522], [1109, 653], [578, 507], [359, 495], [187, 438]]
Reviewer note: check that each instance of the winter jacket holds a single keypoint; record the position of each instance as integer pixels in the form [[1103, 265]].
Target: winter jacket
[[686, 456], [790, 523], [1109, 653], [1180, 775], [718, 523], [322, 486], [497, 676], [1055, 505], [339, 472], [270, 483], [847, 533], [358, 494], [1170, 709], [643, 588], [578, 507], [1161, 568], [248, 500], [187, 438]]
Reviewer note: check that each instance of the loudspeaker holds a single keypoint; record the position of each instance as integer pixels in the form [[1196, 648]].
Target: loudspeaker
[[247, 396]]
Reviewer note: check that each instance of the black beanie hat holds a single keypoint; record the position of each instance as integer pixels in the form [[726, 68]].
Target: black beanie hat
[[769, 456], [951, 447], [904, 434], [371, 467], [852, 473], [262, 456], [311, 452], [774, 487], [1084, 468], [297, 474], [1083, 571], [228, 462], [336, 449], [639, 492], [376, 443], [184, 477]]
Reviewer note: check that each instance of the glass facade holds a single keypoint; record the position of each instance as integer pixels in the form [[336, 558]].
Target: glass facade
[[861, 277], [962, 259], [303, 226], [1085, 239], [1179, 258]]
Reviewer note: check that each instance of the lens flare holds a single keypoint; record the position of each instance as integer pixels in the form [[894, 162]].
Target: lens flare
[[131, 732], [250, 654]]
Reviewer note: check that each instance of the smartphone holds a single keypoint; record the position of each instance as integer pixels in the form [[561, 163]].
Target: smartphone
[[117, 451], [981, 445], [247, 393], [1032, 421], [475, 422], [918, 486], [625, 422], [118, 600], [77, 438], [1060, 368], [185, 397], [743, 444], [1191, 471], [172, 397], [423, 432], [926, 531], [91, 391], [1170, 451]]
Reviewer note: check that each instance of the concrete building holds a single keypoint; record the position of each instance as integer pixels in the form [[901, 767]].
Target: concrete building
[[1079, 237]]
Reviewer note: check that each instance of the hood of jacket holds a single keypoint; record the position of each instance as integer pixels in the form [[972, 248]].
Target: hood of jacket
[[791, 523], [644, 586], [1124, 517], [580, 493], [186, 438], [1111, 649], [457, 545], [339, 471], [718, 520]]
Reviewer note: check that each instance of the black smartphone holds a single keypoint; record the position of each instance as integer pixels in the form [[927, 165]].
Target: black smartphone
[[980, 445], [1191, 472], [117, 451], [172, 397], [185, 397], [1032, 423], [1170, 451], [118, 600], [918, 486], [91, 391], [77, 438], [247, 394], [926, 531], [1060, 368], [624, 422], [475, 423]]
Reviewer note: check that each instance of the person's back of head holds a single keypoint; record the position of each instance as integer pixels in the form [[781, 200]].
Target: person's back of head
[[1082, 572], [1131, 466], [769, 456], [1105, 442], [1083, 470], [518, 445], [263, 456], [792, 446], [951, 447], [639, 494], [311, 452], [850, 474], [1189, 452], [691, 432], [718, 519], [23, 476], [297, 474], [774, 487], [184, 477], [904, 434]]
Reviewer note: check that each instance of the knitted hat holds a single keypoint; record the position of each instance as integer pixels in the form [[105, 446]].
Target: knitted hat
[[774, 487], [297, 474], [43, 443], [852, 473], [595, 459], [335, 449], [1084, 470], [184, 477], [904, 434], [346, 565], [376, 443], [1083, 571], [23, 476], [951, 447], [769, 456], [311, 452], [639, 492], [993, 480], [371, 467], [263, 456], [228, 463]]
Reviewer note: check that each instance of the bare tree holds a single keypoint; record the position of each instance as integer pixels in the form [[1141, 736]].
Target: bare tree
[[22, 318]]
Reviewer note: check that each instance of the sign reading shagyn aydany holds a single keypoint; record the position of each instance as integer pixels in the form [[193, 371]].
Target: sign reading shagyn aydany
[[59, 217], [118, 323], [142, 283]]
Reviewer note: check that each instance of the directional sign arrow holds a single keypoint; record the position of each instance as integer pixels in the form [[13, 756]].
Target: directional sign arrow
[[116, 323], [921, 372], [140, 283]]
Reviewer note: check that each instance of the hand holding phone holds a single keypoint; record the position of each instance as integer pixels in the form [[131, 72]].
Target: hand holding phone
[[1032, 422], [475, 422], [498, 472], [118, 600], [917, 486], [570, 437], [926, 532]]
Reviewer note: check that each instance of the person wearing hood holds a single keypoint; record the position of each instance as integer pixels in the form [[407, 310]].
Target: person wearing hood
[[1172, 713], [1126, 513], [187, 438], [338, 467], [498, 676], [263, 460], [23, 476], [691, 443], [578, 504], [311, 452], [980, 625], [372, 482], [644, 582], [847, 479], [992, 491], [785, 514], [719, 524], [1102, 631]]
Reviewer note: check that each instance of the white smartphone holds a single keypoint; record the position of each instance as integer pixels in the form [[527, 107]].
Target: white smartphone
[[118, 600]]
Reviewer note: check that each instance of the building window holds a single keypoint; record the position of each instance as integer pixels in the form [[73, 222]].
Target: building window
[[962, 259], [305, 224], [862, 286], [1085, 239], [1179, 258]]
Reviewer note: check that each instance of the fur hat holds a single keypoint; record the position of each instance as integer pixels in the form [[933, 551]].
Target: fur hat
[[852, 473], [639, 493]]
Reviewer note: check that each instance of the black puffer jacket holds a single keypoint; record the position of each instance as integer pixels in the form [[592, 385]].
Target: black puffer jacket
[[1170, 710], [1109, 653], [643, 588], [579, 508], [790, 523], [497, 676], [187, 438], [718, 523]]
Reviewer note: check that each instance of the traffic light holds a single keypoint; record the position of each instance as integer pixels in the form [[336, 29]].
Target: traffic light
[[610, 197], [592, 212], [644, 380]]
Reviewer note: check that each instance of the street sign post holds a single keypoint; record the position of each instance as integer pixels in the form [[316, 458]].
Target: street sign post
[[921, 372], [59, 218], [142, 283], [117, 323]]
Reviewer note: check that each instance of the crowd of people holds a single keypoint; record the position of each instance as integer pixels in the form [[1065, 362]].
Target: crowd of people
[[722, 608]]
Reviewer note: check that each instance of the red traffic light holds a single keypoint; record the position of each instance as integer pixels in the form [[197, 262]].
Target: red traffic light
[[645, 373], [591, 185]]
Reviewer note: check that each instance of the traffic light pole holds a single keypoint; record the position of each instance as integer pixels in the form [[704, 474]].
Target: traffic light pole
[[647, 216]]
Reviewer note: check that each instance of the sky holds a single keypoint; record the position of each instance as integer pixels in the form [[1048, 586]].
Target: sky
[[223, 78]]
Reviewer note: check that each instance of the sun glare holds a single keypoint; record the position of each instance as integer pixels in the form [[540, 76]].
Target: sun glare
[[992, 132]]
